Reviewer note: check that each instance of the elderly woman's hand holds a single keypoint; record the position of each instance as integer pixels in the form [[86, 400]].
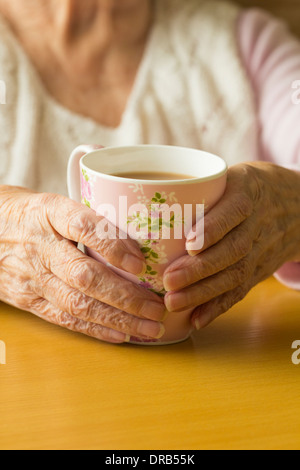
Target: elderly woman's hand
[[43, 272], [252, 232]]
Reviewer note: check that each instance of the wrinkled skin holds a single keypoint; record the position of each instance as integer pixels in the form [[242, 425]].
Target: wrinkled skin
[[43, 272], [249, 234]]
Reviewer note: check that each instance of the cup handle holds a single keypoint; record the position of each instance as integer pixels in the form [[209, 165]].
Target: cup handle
[[73, 177]]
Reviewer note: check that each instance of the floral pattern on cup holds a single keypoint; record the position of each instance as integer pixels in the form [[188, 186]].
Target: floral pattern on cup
[[86, 188], [152, 247]]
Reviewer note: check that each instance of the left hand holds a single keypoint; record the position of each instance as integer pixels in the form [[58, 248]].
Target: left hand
[[249, 235]]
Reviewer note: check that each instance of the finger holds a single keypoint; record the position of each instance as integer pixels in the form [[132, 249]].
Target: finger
[[212, 287], [231, 211], [189, 270], [96, 280], [45, 310], [78, 223], [207, 313], [89, 310]]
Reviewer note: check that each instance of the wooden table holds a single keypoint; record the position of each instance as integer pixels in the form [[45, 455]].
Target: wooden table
[[232, 386]]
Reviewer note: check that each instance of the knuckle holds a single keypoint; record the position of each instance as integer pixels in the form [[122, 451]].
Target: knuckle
[[67, 321], [244, 270], [244, 245], [206, 293], [238, 295], [81, 274], [228, 301], [109, 247], [128, 297], [240, 244], [224, 305], [240, 273], [78, 305], [36, 304], [252, 183], [244, 206], [225, 302], [105, 231], [80, 223], [92, 329], [74, 324], [48, 204], [22, 303], [48, 198], [118, 320]]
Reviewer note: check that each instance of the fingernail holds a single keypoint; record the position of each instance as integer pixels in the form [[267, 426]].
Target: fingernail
[[161, 331], [165, 315], [151, 329], [135, 250], [154, 311], [176, 280], [119, 337], [133, 265], [177, 302], [202, 321], [197, 324], [190, 251]]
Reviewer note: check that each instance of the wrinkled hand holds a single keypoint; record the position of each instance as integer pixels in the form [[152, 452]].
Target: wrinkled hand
[[249, 234], [43, 272]]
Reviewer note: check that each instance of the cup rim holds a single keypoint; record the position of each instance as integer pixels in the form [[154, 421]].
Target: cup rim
[[119, 179]]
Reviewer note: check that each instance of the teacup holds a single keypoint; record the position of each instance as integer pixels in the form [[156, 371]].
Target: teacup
[[157, 213]]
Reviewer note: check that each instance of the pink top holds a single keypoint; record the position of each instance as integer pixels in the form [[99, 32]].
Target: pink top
[[271, 56]]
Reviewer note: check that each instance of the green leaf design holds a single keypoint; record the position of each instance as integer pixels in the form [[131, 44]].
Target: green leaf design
[[85, 175]]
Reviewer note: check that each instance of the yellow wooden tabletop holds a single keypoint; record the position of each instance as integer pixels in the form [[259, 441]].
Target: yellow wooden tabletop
[[232, 386]]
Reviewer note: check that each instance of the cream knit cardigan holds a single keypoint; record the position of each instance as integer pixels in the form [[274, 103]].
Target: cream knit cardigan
[[191, 90]]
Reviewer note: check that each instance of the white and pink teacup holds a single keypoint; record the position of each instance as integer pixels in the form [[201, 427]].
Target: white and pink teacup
[[157, 213]]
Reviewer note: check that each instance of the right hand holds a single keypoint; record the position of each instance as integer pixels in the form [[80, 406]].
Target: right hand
[[43, 272]]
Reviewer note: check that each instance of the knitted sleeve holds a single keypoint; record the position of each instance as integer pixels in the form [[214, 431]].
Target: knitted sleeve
[[271, 56]]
